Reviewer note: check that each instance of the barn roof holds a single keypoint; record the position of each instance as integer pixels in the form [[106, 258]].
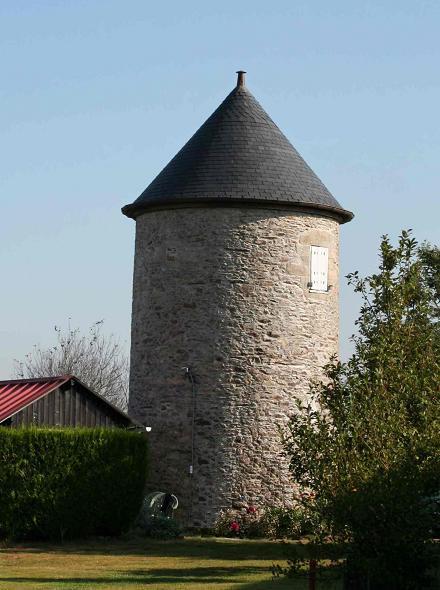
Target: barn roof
[[17, 394], [238, 156]]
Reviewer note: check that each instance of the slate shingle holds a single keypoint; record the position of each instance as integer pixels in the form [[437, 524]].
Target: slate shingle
[[238, 155]]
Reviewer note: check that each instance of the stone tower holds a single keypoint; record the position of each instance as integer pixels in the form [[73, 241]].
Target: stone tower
[[235, 308]]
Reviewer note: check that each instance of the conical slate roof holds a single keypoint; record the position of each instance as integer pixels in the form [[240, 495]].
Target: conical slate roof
[[238, 156]]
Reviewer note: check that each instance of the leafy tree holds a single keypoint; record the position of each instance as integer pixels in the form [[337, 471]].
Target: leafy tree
[[96, 359], [429, 257], [366, 445]]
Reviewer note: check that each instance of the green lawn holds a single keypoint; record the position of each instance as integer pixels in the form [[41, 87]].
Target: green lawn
[[190, 563]]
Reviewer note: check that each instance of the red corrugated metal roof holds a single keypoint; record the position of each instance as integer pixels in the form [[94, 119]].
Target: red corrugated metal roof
[[18, 393]]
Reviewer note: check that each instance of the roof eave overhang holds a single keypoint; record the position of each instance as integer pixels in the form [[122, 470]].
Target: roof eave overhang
[[111, 404], [134, 210]]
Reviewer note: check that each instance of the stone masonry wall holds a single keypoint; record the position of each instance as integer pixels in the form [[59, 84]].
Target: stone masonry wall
[[225, 292]]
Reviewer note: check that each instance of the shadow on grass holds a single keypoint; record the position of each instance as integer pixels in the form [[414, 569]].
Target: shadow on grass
[[194, 576], [228, 549]]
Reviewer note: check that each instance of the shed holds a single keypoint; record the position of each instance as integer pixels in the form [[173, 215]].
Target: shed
[[57, 401]]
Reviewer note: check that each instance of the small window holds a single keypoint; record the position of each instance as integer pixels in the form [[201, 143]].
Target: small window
[[318, 269]]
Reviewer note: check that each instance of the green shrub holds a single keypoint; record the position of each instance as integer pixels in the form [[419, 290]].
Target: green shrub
[[366, 442], [290, 523], [273, 523], [159, 527], [70, 482]]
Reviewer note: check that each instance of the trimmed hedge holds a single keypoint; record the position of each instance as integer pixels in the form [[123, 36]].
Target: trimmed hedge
[[70, 482]]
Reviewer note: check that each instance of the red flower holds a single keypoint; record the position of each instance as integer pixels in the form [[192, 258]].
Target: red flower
[[234, 527], [251, 510]]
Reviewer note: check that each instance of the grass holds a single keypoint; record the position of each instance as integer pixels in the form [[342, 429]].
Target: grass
[[190, 563]]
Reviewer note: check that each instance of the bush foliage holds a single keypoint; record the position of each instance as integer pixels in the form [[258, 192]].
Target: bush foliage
[[274, 522], [368, 442], [159, 527], [70, 482]]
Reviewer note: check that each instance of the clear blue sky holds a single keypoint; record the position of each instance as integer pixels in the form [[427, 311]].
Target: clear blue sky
[[97, 96]]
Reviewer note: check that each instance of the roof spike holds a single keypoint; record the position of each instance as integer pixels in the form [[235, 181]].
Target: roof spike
[[240, 78]]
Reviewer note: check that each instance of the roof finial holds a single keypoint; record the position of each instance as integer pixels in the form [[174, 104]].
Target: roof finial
[[240, 78]]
